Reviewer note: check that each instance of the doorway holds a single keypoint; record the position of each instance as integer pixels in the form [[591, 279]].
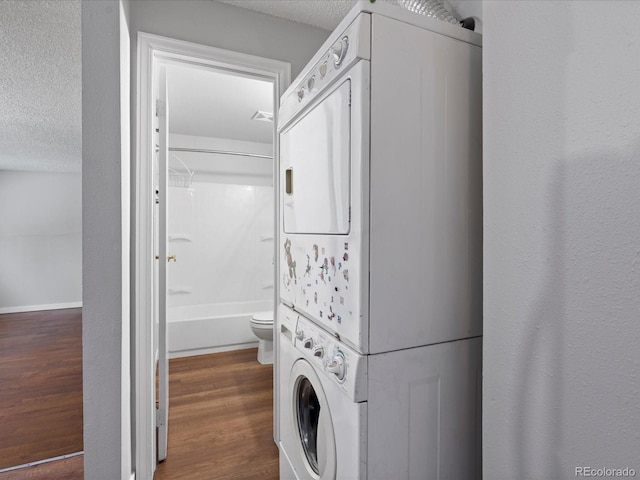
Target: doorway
[[220, 207], [193, 156]]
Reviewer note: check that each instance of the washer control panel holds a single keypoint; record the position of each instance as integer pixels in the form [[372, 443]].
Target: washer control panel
[[330, 357]]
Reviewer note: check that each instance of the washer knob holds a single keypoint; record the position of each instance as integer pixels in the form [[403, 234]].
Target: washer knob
[[311, 82], [318, 352], [308, 343], [300, 94], [337, 367], [339, 50]]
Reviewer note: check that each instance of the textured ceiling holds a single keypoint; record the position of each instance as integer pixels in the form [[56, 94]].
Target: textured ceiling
[[40, 85], [319, 13]]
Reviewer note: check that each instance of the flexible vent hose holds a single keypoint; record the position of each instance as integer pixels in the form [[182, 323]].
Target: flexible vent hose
[[430, 8]]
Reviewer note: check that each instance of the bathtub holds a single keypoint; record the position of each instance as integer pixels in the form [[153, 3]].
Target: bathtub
[[211, 328]]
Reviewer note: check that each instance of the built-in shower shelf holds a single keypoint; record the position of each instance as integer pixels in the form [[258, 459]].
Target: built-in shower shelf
[[266, 238], [178, 290], [180, 237]]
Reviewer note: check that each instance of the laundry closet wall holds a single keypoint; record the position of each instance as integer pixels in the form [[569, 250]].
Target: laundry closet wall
[[561, 239]]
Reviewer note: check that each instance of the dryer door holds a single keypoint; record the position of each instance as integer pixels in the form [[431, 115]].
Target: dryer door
[[316, 165], [314, 455]]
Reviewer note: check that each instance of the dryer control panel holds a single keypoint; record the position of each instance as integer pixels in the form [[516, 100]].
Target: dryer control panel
[[353, 44], [333, 358]]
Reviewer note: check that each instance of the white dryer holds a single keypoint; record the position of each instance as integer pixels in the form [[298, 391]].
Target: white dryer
[[380, 161], [409, 414]]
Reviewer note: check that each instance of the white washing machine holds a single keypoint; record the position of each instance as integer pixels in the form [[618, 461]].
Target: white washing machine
[[409, 414], [323, 412]]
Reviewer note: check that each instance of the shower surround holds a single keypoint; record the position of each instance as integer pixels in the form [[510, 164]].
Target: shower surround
[[222, 237]]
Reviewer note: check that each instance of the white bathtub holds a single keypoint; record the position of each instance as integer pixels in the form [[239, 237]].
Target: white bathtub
[[201, 329]]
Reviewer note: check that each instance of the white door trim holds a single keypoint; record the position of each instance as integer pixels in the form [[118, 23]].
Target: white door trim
[[150, 49]]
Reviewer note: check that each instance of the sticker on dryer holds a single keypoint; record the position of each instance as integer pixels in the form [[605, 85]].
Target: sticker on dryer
[[290, 261]]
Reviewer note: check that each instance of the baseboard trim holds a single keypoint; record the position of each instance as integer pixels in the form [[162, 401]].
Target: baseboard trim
[[40, 462], [209, 350], [38, 308]]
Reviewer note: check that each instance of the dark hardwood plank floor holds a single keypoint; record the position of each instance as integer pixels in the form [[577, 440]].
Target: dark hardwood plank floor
[[67, 469], [40, 385], [220, 410], [220, 419]]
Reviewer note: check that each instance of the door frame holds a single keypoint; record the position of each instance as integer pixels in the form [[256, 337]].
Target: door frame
[[150, 49]]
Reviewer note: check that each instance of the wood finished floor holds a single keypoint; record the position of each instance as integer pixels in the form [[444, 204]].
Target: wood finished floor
[[220, 407], [220, 419], [40, 385], [66, 469]]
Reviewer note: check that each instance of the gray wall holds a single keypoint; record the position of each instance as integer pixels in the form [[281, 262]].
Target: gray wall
[[40, 241], [105, 234], [224, 26], [562, 238]]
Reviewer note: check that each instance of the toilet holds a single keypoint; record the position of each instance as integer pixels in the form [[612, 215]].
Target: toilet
[[262, 327]]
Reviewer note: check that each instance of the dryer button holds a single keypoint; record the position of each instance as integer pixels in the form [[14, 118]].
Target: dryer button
[[339, 50]]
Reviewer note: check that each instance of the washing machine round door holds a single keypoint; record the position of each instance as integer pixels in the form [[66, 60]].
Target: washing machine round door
[[316, 444]]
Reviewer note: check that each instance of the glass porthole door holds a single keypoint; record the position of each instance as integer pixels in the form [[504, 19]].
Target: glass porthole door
[[308, 414], [312, 425]]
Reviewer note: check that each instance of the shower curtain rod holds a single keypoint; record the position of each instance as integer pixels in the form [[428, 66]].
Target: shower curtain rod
[[223, 152]]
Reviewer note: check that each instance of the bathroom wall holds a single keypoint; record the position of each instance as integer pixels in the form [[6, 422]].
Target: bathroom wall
[[40, 241], [562, 238]]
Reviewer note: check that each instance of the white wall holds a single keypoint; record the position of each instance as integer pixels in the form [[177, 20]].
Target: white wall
[[40, 241], [105, 234], [562, 238]]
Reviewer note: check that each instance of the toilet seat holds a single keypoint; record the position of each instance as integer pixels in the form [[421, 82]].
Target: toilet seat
[[261, 325], [263, 318]]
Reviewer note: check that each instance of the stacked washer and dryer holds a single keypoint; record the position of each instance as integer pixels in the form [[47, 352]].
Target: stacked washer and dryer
[[379, 328]]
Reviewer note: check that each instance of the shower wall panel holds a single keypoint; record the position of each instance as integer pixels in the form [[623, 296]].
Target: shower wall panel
[[222, 237]]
